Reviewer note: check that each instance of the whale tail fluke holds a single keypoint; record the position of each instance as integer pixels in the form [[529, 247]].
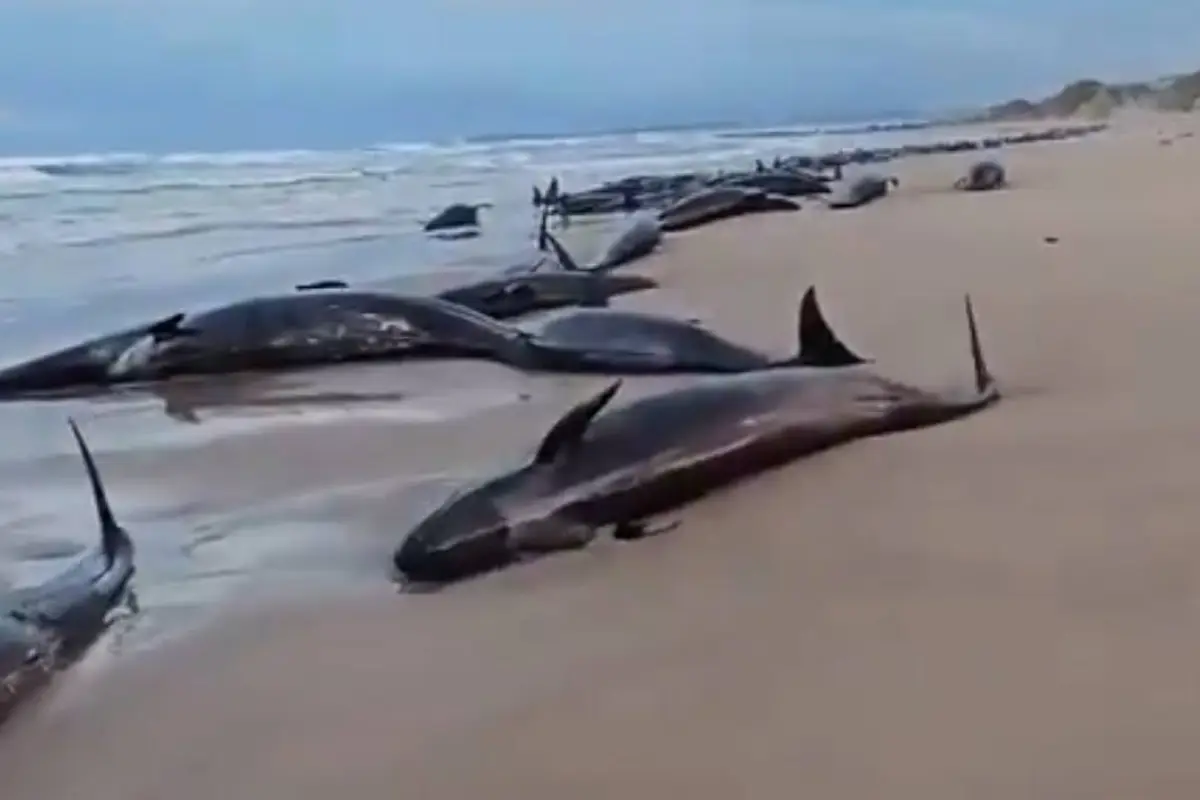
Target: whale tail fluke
[[542, 233], [113, 538], [564, 257], [818, 345]]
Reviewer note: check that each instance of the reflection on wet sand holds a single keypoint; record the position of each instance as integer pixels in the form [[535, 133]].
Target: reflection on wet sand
[[267, 483]]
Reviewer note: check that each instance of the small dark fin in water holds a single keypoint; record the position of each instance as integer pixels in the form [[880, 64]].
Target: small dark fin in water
[[819, 345], [113, 538], [565, 259], [170, 328], [571, 427], [328, 283], [983, 378]]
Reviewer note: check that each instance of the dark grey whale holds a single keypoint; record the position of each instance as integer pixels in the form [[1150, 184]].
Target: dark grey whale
[[983, 176], [458, 215], [82, 366], [266, 333], [620, 468], [508, 297], [639, 238], [320, 327], [44, 628], [618, 341], [860, 191], [721, 202], [312, 328]]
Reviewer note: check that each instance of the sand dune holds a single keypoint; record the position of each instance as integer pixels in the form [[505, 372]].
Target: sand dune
[[1007, 606]]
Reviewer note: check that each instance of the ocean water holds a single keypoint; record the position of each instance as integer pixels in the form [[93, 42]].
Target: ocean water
[[91, 243]]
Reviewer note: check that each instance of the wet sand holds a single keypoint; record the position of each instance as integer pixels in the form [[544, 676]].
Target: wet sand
[[1007, 606]]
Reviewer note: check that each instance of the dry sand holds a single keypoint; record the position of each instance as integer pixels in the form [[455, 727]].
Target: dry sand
[[1003, 607]]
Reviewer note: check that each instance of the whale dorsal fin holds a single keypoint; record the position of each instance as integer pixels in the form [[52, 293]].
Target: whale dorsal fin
[[169, 328], [565, 259], [819, 345], [327, 283], [571, 427], [112, 536]]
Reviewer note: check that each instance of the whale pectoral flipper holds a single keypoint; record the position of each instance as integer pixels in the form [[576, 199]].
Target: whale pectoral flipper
[[819, 345], [549, 535], [634, 530], [571, 427]]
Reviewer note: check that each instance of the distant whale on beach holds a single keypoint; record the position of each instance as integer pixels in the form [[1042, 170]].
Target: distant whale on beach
[[860, 191], [458, 215], [982, 176], [619, 469], [44, 628], [637, 239], [617, 341], [504, 298], [721, 202]]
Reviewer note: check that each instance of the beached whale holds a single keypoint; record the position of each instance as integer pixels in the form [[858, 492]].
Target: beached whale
[[789, 183], [618, 341], [306, 328], [720, 202], [637, 239], [516, 293], [982, 176], [458, 215], [508, 297], [44, 628], [618, 469], [80, 367], [860, 191]]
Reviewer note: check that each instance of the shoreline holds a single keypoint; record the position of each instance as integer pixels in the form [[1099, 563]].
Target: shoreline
[[995, 607]]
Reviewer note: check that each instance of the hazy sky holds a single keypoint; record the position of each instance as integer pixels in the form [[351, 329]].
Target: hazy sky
[[214, 74]]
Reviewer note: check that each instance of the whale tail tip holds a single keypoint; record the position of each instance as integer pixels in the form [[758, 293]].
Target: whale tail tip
[[565, 259], [984, 381], [113, 538]]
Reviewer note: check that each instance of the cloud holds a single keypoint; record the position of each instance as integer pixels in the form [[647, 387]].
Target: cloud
[[190, 74]]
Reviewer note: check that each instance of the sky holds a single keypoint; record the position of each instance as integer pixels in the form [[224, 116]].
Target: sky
[[160, 75]]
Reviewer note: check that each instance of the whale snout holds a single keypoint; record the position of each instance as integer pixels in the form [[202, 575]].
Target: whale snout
[[465, 537], [481, 551]]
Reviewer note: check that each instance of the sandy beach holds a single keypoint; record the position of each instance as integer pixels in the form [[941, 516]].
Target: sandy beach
[[1002, 607]]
